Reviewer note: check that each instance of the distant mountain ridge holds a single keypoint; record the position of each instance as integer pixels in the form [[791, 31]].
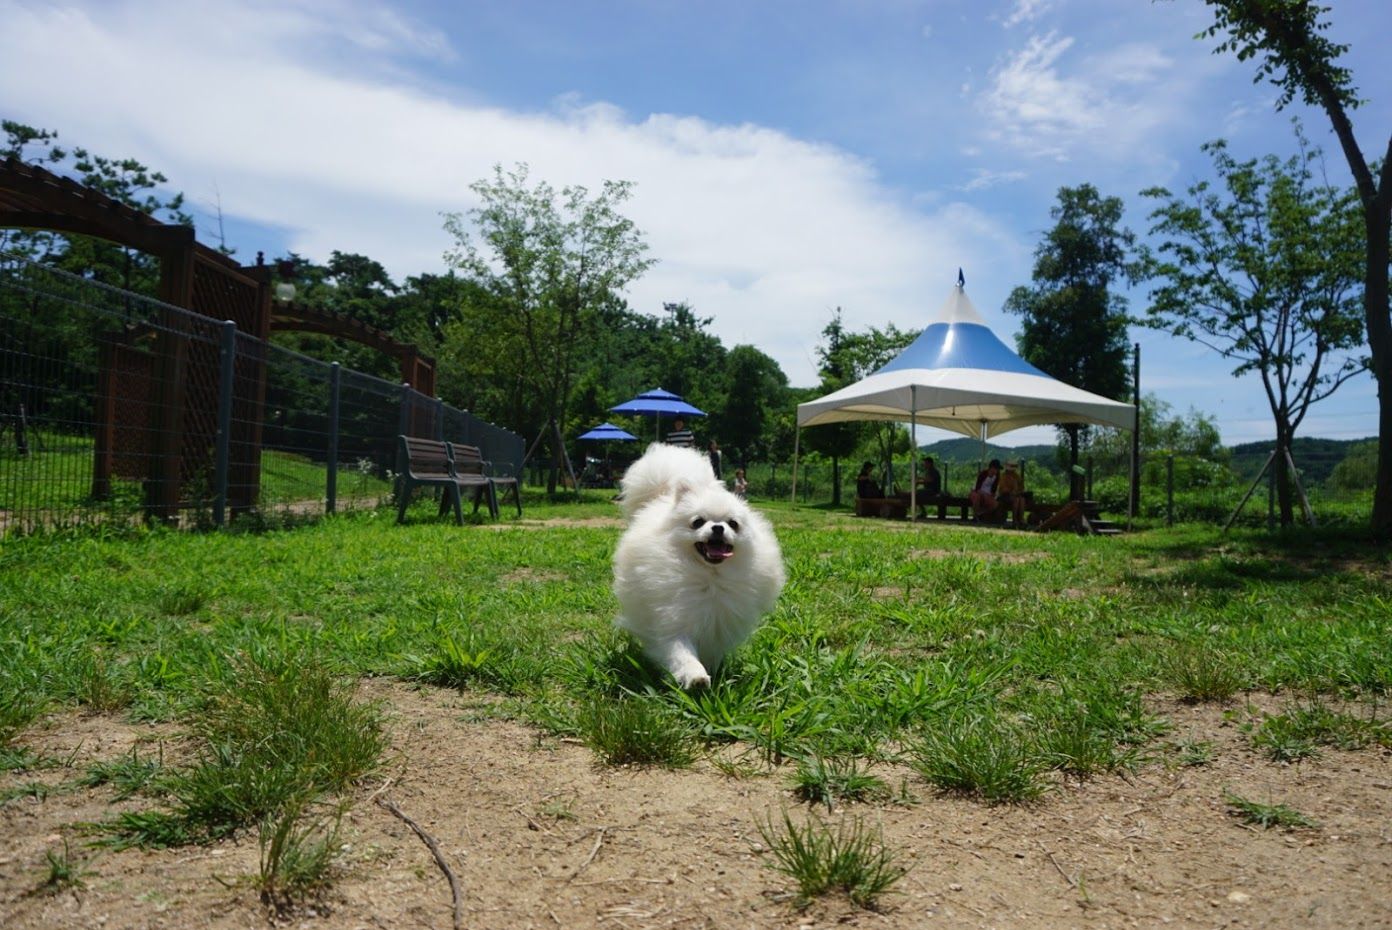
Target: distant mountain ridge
[[1314, 457]]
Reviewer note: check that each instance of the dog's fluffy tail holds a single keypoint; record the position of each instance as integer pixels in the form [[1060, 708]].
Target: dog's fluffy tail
[[658, 472]]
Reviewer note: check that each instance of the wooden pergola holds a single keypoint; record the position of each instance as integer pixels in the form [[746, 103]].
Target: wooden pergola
[[156, 418]]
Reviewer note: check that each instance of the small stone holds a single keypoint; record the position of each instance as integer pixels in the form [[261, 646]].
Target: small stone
[[1239, 897], [954, 887]]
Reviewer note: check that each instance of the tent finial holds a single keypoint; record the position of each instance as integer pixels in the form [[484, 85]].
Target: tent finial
[[961, 278]]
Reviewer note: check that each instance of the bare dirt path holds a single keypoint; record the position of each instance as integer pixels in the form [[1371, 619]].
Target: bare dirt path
[[540, 836]]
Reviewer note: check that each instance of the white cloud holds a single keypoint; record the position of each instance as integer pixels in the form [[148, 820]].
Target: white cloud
[[1025, 11], [312, 123], [985, 178], [1112, 104]]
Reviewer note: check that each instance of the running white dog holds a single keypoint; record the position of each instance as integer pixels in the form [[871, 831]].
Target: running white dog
[[696, 570]]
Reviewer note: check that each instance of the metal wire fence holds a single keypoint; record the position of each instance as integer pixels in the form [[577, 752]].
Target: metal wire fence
[[115, 407]]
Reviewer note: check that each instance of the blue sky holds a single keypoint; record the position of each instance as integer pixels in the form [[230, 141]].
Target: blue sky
[[790, 157]]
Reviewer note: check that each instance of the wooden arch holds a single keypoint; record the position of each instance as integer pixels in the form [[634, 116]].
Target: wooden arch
[[156, 417]]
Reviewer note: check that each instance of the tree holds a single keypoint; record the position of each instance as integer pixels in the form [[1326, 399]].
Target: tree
[[1287, 39], [754, 387], [549, 262], [835, 440], [849, 357], [1264, 270], [1074, 326]]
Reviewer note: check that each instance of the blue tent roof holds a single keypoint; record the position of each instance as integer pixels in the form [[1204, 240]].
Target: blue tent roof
[[960, 345]]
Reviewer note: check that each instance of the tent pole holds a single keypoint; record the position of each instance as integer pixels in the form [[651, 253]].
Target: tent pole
[[797, 436], [913, 452], [982, 465]]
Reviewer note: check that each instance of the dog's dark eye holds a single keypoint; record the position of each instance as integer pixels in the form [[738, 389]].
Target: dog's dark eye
[[734, 526], [698, 523]]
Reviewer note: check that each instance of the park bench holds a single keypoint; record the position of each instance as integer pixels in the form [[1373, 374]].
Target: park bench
[[468, 462], [427, 463]]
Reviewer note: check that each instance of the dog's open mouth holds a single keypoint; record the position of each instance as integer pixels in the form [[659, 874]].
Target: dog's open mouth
[[715, 551]]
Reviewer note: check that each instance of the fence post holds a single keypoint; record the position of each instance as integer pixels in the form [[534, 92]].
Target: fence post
[[401, 429], [1088, 494], [331, 479], [1169, 490], [227, 356]]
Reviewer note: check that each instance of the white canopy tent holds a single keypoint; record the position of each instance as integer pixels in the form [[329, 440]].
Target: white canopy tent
[[958, 376]]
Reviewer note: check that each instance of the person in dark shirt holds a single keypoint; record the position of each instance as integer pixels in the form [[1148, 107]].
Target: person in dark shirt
[[929, 480], [866, 485]]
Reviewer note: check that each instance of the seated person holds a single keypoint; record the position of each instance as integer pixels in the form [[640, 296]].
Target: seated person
[[866, 485], [1011, 495], [983, 495], [929, 480]]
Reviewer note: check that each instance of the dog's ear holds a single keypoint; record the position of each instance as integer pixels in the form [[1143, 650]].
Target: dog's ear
[[682, 487]]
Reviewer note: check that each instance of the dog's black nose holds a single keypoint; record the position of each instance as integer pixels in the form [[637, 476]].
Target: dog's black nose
[[717, 529]]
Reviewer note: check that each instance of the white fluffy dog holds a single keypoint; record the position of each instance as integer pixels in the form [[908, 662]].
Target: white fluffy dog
[[696, 569]]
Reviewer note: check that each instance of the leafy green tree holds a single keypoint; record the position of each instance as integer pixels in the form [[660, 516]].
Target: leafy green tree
[[837, 441], [1264, 268], [549, 261], [1287, 39], [1073, 323], [852, 356], [755, 388], [1192, 438]]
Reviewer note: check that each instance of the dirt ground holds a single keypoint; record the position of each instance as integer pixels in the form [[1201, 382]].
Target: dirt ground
[[538, 835]]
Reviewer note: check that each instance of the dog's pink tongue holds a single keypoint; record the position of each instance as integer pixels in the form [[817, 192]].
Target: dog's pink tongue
[[717, 551]]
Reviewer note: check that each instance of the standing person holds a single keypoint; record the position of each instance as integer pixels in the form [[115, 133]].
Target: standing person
[[983, 496], [713, 451], [679, 435], [741, 483]]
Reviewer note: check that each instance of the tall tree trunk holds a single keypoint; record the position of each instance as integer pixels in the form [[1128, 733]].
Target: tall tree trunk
[[1379, 319], [1283, 475]]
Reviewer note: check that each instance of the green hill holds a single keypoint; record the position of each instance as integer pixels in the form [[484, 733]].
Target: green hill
[[1314, 457]]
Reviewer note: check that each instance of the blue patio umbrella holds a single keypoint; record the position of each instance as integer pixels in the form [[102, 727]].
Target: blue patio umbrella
[[655, 403], [605, 431]]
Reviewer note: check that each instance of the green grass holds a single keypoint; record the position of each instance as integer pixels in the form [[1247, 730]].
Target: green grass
[[632, 731], [299, 852], [997, 662], [1299, 732], [1265, 815], [277, 730], [65, 871], [820, 780], [849, 857]]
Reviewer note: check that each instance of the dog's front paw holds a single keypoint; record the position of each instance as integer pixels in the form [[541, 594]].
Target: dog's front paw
[[692, 677]]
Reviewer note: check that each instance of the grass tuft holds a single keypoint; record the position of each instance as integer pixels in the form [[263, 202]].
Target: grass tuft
[[820, 780], [1266, 815], [65, 871], [1299, 732], [278, 729], [128, 774], [299, 851], [1202, 674], [849, 858], [981, 755], [637, 731]]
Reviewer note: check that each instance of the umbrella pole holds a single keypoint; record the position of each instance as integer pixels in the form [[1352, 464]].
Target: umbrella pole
[[797, 436]]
